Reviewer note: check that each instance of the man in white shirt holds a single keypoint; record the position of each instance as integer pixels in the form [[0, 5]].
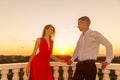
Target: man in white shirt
[[87, 51]]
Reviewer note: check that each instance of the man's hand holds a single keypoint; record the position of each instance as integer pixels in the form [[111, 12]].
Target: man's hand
[[104, 64], [68, 61]]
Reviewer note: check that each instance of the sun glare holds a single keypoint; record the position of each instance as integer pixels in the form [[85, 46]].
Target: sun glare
[[62, 51]]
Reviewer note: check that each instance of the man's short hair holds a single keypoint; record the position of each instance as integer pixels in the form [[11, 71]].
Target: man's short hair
[[85, 18]]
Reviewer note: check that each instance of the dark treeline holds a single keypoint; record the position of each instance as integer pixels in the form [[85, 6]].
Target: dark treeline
[[20, 58]]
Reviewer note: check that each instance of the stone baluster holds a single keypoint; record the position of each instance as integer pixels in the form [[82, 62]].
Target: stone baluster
[[4, 74], [106, 74], [73, 68], [65, 73], [97, 78], [56, 73], [25, 76], [15, 74], [117, 72]]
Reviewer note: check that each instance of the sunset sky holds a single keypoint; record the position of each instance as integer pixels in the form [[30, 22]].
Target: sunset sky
[[22, 22]]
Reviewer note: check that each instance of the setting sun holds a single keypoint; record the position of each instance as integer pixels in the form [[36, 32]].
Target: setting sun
[[63, 51]]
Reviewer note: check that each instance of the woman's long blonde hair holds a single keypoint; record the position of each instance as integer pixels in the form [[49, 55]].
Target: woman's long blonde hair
[[47, 27]]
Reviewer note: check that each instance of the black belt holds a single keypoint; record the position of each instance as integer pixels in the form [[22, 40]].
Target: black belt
[[87, 61]]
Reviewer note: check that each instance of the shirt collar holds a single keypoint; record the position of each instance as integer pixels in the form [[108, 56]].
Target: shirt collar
[[87, 32]]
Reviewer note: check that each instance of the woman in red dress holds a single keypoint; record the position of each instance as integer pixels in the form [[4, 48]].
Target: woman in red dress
[[38, 67]]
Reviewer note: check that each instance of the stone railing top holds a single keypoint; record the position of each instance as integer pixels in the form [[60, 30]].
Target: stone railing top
[[111, 66], [12, 65]]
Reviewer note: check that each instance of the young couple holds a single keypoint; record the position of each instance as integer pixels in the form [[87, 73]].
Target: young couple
[[86, 51]]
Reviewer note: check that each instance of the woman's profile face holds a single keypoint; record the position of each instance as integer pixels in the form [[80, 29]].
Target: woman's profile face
[[50, 31]]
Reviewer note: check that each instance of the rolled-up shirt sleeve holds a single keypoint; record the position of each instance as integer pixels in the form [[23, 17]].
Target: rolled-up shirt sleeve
[[108, 46]]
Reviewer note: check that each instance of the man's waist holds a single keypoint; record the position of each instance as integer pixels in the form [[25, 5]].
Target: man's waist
[[86, 61]]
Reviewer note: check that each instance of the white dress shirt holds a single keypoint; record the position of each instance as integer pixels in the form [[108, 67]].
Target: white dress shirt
[[88, 46]]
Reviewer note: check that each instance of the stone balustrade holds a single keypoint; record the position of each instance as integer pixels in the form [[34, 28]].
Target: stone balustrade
[[56, 66]]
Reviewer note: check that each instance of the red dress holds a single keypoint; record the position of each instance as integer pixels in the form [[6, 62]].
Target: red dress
[[40, 65]]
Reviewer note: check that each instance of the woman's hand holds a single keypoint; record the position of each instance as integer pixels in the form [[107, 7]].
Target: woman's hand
[[28, 71], [68, 61]]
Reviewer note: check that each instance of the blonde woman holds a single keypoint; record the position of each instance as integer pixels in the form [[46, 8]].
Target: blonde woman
[[38, 67]]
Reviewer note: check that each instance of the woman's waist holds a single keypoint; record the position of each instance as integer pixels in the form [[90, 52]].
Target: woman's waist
[[41, 55]]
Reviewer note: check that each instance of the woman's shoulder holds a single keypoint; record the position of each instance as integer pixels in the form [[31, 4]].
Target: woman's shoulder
[[39, 39], [52, 41]]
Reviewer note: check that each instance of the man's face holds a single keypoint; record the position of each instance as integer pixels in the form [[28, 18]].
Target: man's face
[[82, 25]]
